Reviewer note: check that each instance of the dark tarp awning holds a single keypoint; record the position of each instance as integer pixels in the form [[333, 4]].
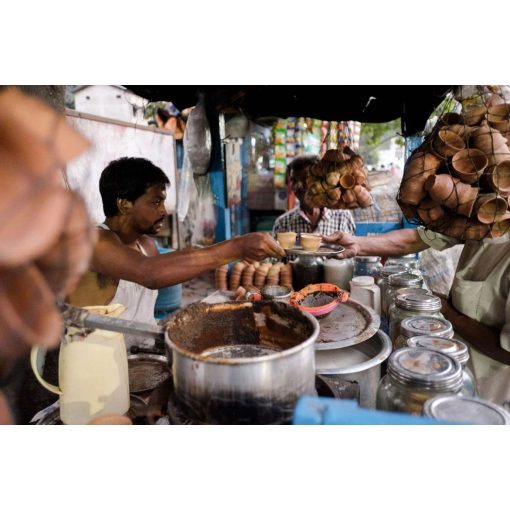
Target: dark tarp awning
[[412, 103]]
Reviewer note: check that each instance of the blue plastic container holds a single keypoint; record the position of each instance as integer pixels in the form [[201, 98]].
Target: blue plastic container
[[169, 298]]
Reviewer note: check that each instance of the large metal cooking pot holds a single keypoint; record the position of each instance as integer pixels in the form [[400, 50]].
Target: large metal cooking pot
[[245, 362]]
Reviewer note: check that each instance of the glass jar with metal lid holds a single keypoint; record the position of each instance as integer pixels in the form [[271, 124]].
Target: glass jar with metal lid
[[412, 305], [410, 261], [386, 271], [452, 347], [414, 376], [384, 275], [466, 410], [399, 281], [406, 292], [367, 266]]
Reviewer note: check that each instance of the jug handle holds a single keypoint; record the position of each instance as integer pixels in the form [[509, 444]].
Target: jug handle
[[33, 363]]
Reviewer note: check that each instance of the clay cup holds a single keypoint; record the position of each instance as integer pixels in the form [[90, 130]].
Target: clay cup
[[469, 164], [310, 242], [287, 240]]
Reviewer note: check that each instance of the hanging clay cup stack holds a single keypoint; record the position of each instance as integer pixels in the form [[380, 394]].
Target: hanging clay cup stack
[[499, 178], [469, 165], [419, 167], [454, 122], [449, 119], [474, 115], [363, 197], [452, 193], [475, 231], [430, 211], [500, 228], [447, 143], [498, 112], [458, 181], [490, 208], [503, 126], [452, 225], [338, 181], [492, 143]]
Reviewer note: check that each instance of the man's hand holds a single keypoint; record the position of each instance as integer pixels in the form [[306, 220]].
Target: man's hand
[[258, 246], [348, 241]]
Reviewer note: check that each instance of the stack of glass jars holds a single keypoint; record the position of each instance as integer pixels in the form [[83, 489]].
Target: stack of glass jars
[[399, 281], [456, 349], [411, 305], [384, 274], [423, 325], [414, 376]]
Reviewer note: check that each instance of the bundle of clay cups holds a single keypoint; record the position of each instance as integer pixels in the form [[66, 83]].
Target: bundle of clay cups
[[458, 181], [338, 181]]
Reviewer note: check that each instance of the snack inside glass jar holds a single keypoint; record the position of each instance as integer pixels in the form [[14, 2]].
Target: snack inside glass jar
[[414, 376]]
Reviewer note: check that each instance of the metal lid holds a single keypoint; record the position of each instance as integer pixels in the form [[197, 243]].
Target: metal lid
[[425, 368], [454, 348], [465, 410], [413, 290], [362, 281], [401, 280], [426, 325], [418, 302]]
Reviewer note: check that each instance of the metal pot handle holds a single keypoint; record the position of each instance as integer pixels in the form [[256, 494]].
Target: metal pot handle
[[33, 363]]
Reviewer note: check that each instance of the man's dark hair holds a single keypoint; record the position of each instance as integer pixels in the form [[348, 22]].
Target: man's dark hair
[[128, 178], [300, 163]]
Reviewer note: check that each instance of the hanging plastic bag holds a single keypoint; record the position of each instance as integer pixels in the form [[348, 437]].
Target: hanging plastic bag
[[197, 139], [205, 220], [197, 154]]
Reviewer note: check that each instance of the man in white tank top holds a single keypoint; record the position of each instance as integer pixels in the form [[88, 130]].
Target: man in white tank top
[[126, 267]]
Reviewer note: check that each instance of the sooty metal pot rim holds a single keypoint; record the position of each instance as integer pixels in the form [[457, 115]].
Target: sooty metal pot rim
[[249, 361]]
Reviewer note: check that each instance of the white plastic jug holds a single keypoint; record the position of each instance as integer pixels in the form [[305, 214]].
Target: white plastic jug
[[365, 291], [92, 374]]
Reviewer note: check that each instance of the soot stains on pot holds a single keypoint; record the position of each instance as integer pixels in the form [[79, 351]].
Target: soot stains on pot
[[212, 331], [249, 409]]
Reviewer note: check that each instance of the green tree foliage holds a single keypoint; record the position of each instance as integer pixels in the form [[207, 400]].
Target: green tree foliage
[[377, 136], [377, 133], [150, 110]]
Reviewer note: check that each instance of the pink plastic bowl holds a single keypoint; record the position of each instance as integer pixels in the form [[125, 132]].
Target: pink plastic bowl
[[338, 296]]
